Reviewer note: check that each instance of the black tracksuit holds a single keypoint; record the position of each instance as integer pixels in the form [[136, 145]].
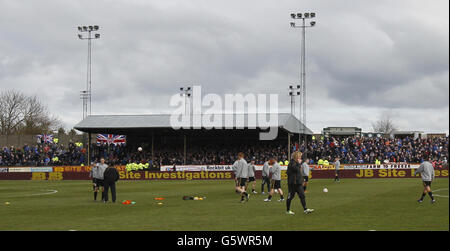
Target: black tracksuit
[[110, 176], [295, 184]]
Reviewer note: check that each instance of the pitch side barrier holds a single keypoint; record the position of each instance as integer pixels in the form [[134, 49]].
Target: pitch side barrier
[[284, 167], [215, 173]]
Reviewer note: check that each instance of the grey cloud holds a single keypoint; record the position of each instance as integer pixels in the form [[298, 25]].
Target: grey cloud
[[360, 54]]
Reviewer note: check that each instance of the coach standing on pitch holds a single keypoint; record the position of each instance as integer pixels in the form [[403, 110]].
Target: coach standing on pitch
[[295, 183], [110, 177]]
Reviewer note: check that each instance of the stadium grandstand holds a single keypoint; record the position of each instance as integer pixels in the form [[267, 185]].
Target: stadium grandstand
[[156, 134]]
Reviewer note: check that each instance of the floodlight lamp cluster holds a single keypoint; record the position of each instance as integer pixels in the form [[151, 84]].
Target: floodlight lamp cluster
[[304, 15], [89, 29], [185, 91], [307, 15], [84, 94], [294, 91]]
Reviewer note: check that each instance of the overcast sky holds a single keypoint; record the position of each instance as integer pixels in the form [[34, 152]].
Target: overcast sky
[[365, 58]]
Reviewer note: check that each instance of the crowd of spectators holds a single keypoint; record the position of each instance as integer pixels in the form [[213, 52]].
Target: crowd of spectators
[[350, 150], [367, 150], [42, 155]]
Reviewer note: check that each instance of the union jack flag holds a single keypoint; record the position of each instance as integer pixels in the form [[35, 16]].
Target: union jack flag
[[46, 138], [111, 139]]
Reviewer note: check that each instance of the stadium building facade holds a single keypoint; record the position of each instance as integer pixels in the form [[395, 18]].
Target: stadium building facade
[[342, 132]]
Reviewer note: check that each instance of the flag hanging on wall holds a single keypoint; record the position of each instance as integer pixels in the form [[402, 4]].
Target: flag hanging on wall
[[111, 139], [45, 138]]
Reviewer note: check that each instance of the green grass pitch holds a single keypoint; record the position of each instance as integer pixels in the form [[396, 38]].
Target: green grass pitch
[[353, 204]]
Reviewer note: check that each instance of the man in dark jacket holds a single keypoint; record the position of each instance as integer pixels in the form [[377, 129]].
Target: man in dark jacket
[[110, 177], [295, 183]]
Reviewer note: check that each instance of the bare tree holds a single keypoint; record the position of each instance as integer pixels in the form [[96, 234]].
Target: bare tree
[[384, 125], [72, 133], [61, 132], [21, 114], [11, 111], [37, 118]]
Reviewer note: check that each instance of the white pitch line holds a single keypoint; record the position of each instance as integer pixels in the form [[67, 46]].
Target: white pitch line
[[36, 194], [51, 192], [438, 195]]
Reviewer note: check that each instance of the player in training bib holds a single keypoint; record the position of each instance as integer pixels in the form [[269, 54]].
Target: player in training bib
[[251, 175], [276, 180], [337, 166], [97, 177], [236, 180], [427, 172], [265, 177], [305, 173], [242, 175]]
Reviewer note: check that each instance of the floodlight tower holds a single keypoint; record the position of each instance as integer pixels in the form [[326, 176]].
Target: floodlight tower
[[303, 26], [187, 93], [89, 29], [85, 97]]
